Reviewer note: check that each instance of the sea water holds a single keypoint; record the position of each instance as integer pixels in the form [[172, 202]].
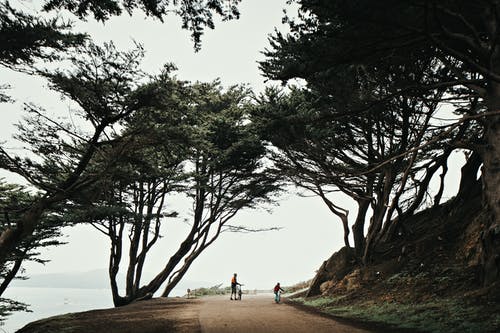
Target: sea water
[[48, 302]]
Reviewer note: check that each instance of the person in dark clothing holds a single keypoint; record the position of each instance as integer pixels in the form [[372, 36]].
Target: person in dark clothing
[[234, 283], [277, 292]]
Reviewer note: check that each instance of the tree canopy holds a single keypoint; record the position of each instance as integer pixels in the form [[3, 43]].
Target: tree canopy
[[446, 52], [195, 15], [193, 140], [104, 83]]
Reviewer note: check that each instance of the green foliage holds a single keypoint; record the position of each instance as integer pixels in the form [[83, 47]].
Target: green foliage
[[25, 38], [14, 200], [401, 48], [439, 315], [377, 74], [108, 87], [116, 73], [365, 33], [102, 82], [210, 291], [193, 139], [8, 307], [315, 302], [195, 15]]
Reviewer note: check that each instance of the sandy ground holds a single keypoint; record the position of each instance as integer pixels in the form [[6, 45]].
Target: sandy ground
[[218, 314], [159, 315], [261, 314]]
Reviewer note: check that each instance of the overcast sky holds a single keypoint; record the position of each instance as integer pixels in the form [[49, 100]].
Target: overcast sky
[[310, 232]]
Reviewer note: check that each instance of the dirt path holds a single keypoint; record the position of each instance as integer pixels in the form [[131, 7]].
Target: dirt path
[[260, 314], [254, 314]]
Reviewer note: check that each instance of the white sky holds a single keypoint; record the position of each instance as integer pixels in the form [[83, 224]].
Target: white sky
[[310, 232]]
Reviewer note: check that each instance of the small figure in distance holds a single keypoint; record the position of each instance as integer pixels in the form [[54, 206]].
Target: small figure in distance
[[234, 283], [277, 292], [239, 292]]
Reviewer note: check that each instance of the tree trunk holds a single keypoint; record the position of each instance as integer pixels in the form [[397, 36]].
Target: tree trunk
[[12, 237], [439, 195], [379, 211], [340, 212], [175, 279], [114, 261], [490, 237], [468, 179], [13, 271], [358, 228]]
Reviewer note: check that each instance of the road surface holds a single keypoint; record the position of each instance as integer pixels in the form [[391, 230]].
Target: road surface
[[217, 314], [259, 313]]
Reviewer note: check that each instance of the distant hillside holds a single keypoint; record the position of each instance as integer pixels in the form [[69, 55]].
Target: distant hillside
[[95, 279]]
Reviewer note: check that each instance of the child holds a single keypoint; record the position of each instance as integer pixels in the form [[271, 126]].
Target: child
[[277, 291]]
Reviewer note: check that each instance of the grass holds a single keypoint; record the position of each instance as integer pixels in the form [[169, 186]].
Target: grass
[[298, 286], [319, 302], [210, 291], [438, 315]]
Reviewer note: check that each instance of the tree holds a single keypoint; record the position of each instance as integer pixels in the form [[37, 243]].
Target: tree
[[134, 199], [133, 202], [324, 154], [25, 39], [102, 84], [14, 200], [227, 173], [457, 38], [194, 140]]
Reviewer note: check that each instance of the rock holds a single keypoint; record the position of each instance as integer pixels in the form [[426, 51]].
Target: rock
[[326, 286], [353, 280], [334, 269]]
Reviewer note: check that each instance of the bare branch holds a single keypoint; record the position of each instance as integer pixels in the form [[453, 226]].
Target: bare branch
[[436, 138]]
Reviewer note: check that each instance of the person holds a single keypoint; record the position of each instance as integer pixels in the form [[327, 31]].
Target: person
[[277, 290], [234, 283]]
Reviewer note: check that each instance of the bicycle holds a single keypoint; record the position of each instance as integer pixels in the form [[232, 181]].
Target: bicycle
[[238, 292], [277, 296]]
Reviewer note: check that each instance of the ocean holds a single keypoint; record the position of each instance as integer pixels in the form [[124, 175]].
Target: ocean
[[47, 302]]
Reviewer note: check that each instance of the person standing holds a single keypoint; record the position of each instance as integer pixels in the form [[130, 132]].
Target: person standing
[[234, 283], [277, 292]]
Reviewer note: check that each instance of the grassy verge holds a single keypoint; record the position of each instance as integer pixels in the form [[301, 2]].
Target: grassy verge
[[210, 291], [437, 315]]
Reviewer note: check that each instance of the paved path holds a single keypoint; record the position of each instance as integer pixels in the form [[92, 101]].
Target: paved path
[[254, 314], [259, 313]]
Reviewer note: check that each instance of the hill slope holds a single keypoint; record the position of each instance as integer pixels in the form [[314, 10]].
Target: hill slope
[[426, 278]]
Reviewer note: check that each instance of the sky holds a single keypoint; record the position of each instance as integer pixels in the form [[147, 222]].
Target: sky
[[309, 234]]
